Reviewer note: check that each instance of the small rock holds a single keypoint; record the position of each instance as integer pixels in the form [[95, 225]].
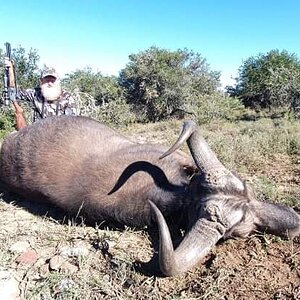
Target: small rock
[[9, 286], [67, 267], [47, 252], [19, 247], [74, 251], [59, 263], [28, 257], [56, 262], [44, 271]]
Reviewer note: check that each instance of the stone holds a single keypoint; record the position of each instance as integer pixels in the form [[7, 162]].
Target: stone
[[28, 257], [19, 247], [56, 262], [74, 251], [44, 271], [69, 268], [9, 286]]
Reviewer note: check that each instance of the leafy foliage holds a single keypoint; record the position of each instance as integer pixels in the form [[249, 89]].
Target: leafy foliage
[[99, 97], [26, 64], [159, 82], [207, 108], [26, 67], [6, 121], [269, 80], [103, 89], [115, 112]]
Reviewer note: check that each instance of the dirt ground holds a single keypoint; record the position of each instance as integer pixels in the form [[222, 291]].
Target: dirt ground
[[44, 255], [114, 264]]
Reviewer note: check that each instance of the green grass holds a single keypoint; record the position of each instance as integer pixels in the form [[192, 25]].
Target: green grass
[[266, 151]]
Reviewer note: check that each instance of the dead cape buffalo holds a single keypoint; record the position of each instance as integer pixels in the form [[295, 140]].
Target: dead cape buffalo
[[79, 164]]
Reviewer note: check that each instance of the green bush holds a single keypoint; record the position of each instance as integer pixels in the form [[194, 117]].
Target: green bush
[[7, 121], [26, 66], [216, 106], [269, 80], [103, 89], [158, 82], [116, 112]]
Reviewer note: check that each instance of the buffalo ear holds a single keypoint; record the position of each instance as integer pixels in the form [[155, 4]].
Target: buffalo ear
[[276, 219]]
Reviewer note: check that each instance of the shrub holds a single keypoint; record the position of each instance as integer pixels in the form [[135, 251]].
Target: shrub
[[7, 121], [216, 106], [116, 112], [158, 82], [269, 80]]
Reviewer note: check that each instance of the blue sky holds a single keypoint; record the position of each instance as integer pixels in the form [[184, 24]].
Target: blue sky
[[73, 34]]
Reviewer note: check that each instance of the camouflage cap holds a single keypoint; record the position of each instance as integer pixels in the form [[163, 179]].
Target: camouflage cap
[[49, 72]]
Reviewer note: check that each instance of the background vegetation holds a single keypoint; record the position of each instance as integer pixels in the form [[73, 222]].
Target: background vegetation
[[270, 80], [158, 84]]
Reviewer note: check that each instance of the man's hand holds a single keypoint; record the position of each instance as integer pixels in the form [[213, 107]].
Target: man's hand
[[7, 63]]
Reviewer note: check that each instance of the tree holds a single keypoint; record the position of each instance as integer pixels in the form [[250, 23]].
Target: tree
[[26, 64], [100, 97], [102, 88], [269, 80], [159, 82]]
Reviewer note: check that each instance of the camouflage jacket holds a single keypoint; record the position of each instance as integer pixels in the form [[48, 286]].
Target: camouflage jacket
[[65, 104]]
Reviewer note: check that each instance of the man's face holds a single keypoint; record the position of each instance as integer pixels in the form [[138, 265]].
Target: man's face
[[51, 88], [50, 80]]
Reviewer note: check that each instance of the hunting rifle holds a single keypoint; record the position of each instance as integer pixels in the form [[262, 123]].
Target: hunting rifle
[[10, 92]]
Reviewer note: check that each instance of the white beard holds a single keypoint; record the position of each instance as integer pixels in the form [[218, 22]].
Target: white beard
[[51, 93]]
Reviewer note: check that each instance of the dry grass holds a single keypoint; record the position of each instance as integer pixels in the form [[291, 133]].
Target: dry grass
[[115, 264]]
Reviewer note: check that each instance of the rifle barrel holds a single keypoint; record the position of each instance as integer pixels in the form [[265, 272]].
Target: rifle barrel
[[8, 50], [10, 83]]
